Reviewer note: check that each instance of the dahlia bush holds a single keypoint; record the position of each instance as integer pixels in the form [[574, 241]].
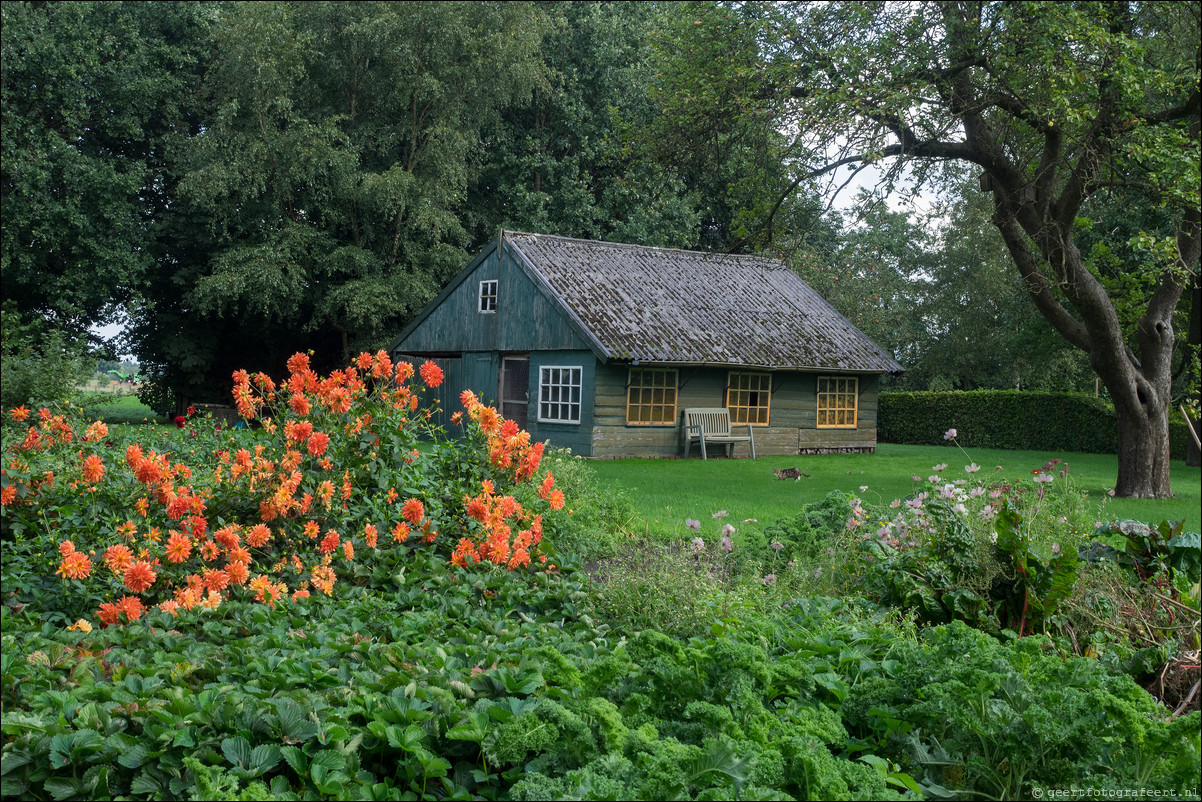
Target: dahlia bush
[[326, 473]]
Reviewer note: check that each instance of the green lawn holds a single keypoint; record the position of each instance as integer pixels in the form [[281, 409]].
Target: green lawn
[[125, 409], [666, 492]]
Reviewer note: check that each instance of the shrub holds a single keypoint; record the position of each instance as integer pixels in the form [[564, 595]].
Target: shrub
[[996, 719], [995, 554], [38, 366], [1009, 419], [338, 469], [601, 516], [806, 536]]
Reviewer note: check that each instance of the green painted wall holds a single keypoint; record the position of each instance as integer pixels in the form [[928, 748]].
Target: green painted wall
[[525, 319], [577, 437]]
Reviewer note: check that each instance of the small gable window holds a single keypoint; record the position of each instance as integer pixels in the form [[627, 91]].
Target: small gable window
[[559, 394], [488, 296], [651, 397], [837, 402], [747, 397]]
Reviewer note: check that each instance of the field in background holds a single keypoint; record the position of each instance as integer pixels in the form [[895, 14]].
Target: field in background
[[666, 492], [126, 409]]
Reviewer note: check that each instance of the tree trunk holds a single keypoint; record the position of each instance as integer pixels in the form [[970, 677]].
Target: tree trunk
[[1144, 451], [1140, 386]]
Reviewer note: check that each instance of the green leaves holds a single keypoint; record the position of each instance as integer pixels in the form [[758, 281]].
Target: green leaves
[[249, 762]]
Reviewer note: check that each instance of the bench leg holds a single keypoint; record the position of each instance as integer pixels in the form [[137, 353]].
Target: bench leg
[[703, 457]]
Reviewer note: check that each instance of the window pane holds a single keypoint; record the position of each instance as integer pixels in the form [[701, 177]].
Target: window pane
[[837, 397], [748, 397], [651, 398], [559, 394]]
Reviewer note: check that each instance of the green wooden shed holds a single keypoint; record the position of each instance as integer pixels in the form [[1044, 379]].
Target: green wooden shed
[[600, 347]]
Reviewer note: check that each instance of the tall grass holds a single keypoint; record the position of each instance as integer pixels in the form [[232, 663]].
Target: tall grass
[[665, 493]]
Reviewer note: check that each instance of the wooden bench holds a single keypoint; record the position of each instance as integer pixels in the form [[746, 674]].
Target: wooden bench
[[712, 425]]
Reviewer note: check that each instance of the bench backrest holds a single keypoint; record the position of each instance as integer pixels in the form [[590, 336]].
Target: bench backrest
[[714, 421]]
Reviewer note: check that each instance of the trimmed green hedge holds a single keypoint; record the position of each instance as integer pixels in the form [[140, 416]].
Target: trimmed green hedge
[[1010, 419]]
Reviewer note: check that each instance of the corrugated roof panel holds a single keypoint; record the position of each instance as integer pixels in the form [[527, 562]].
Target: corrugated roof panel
[[664, 305]]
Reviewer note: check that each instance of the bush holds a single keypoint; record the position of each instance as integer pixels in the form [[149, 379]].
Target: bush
[[1009, 419], [332, 477], [38, 367], [601, 516]]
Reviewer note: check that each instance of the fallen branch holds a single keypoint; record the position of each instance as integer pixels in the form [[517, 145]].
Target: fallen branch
[[1181, 707]]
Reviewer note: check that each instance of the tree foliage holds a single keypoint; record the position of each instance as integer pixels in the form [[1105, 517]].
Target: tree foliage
[[90, 92], [571, 161], [1053, 102], [318, 207]]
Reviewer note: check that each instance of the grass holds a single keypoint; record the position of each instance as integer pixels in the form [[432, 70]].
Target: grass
[[666, 492], [125, 409]]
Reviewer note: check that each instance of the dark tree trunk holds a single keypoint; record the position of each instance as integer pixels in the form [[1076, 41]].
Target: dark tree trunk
[[1144, 451]]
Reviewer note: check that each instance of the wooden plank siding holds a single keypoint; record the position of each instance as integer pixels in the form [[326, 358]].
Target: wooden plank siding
[[576, 436], [792, 419], [525, 319]]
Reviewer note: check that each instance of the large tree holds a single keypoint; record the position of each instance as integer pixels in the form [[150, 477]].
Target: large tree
[[1053, 103], [980, 322], [568, 162], [90, 93], [318, 205]]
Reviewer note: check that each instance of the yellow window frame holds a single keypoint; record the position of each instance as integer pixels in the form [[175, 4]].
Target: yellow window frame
[[838, 402], [749, 398], [651, 396]]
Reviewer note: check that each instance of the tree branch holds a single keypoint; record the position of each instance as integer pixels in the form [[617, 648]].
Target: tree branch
[[1037, 285]]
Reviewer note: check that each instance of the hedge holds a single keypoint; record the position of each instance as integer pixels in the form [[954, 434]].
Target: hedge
[[1009, 419]]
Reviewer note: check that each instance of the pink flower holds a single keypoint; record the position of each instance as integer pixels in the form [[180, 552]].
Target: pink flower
[[949, 434]]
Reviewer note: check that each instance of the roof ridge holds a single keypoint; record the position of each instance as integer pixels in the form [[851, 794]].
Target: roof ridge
[[634, 246]]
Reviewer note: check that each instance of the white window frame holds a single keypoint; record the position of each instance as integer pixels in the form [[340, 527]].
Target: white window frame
[[552, 385], [486, 303]]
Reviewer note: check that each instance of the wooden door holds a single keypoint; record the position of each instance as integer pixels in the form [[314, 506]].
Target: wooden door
[[514, 389]]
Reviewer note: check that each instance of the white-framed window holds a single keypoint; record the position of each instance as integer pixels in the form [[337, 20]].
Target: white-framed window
[[559, 393], [748, 397], [488, 296], [838, 402], [651, 397]]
